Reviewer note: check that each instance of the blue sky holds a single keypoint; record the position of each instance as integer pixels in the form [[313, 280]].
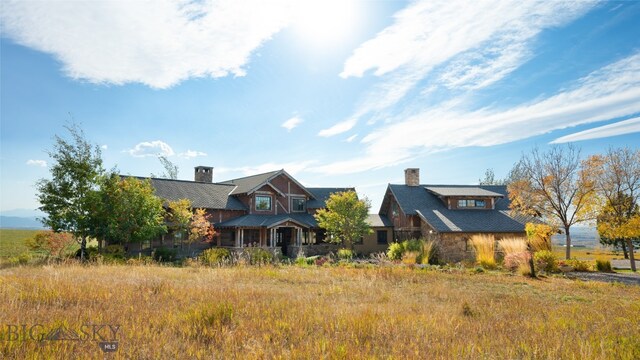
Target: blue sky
[[337, 93]]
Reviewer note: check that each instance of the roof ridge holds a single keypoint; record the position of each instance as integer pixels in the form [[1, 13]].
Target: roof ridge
[[175, 180], [255, 175]]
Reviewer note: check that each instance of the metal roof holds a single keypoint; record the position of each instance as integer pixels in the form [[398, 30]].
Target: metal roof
[[377, 220], [256, 220], [321, 195]]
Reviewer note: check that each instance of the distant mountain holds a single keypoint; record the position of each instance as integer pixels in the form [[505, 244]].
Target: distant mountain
[[580, 236], [26, 213], [17, 222]]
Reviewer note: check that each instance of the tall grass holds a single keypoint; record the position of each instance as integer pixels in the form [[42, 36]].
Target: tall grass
[[512, 245], [289, 312], [484, 246]]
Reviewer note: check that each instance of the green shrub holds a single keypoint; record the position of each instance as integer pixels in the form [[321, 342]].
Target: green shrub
[[412, 245], [259, 256], [579, 265], [546, 261], [395, 250], [215, 256], [345, 254], [603, 265], [164, 254]]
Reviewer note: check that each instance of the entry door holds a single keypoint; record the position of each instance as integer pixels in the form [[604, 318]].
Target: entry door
[[283, 238]]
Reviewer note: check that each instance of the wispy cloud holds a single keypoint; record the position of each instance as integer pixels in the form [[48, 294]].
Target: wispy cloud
[[351, 138], [609, 93], [339, 128], [190, 154], [629, 126], [292, 123], [40, 163], [104, 147], [151, 148], [158, 43], [458, 45]]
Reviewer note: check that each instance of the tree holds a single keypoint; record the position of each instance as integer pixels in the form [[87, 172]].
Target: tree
[[75, 173], [490, 179], [52, 243], [616, 176], [611, 216], [345, 218], [126, 210], [179, 216], [200, 227], [170, 169], [553, 185]]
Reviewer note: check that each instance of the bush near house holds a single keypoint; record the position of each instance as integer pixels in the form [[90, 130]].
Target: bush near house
[[413, 251], [484, 246], [546, 261], [215, 256]]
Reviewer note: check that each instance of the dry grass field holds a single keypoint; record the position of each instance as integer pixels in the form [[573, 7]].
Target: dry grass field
[[315, 312]]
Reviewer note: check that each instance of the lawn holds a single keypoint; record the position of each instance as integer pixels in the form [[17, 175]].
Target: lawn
[[317, 312], [13, 241]]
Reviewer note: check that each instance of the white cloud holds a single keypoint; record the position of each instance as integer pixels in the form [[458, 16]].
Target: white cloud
[[619, 128], [351, 138], [470, 45], [189, 154], [104, 147], [608, 93], [41, 163], [292, 123], [151, 148], [339, 128], [158, 43]]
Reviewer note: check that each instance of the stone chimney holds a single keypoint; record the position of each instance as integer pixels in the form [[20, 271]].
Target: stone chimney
[[204, 174], [412, 177]]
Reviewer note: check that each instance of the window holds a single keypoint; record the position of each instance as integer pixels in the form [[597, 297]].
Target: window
[[297, 204], [263, 202], [473, 203], [382, 236]]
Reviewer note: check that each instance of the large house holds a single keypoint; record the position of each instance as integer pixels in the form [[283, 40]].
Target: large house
[[449, 214], [271, 210]]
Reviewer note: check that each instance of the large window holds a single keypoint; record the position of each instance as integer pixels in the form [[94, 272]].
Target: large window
[[263, 202], [473, 203], [298, 204], [382, 236]]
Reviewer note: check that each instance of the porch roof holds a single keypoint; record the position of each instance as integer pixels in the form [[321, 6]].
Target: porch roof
[[268, 221]]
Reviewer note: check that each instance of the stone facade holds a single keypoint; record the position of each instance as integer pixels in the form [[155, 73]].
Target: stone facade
[[203, 174]]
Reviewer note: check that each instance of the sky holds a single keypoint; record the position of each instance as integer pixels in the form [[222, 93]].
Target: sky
[[337, 93]]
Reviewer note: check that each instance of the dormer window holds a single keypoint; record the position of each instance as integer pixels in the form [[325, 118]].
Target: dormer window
[[471, 203], [263, 202]]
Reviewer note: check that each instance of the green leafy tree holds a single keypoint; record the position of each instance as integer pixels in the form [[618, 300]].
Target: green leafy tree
[[345, 218], [179, 215], [127, 211], [75, 174], [553, 185]]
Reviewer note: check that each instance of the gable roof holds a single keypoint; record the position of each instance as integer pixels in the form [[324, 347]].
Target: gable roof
[[462, 191], [321, 195], [201, 195], [258, 220], [249, 184], [417, 200]]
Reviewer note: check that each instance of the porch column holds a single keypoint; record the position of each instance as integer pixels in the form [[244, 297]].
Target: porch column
[[241, 237], [237, 243], [299, 236]]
